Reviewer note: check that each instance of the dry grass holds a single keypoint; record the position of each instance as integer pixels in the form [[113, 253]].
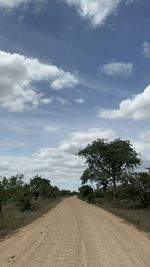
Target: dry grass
[[138, 217], [12, 218]]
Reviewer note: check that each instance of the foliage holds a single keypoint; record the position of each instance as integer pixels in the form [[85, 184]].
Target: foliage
[[132, 193], [141, 183], [14, 190], [85, 190], [40, 185], [108, 161], [101, 178]]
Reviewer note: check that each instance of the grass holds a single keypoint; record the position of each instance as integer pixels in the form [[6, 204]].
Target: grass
[[12, 218], [138, 217]]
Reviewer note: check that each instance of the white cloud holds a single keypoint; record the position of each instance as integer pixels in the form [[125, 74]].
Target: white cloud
[[146, 49], [136, 108], [64, 80], [46, 101], [9, 4], [144, 149], [56, 100], [116, 69], [62, 101], [17, 76], [60, 163], [9, 146], [78, 140], [97, 11], [79, 100]]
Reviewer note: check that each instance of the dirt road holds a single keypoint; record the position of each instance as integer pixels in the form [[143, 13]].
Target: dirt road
[[76, 234]]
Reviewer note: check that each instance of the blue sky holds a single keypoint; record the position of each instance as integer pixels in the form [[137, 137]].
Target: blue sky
[[71, 71]]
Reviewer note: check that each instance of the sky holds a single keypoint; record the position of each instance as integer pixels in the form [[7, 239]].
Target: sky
[[71, 71]]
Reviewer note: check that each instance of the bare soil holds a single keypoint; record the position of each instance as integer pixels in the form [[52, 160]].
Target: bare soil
[[76, 234]]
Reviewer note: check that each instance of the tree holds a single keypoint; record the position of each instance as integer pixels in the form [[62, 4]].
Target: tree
[[141, 183], [3, 192], [25, 198], [101, 178], [112, 158], [40, 185]]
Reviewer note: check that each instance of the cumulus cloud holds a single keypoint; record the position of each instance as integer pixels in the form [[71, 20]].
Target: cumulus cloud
[[9, 4], [78, 140], [136, 108], [61, 100], [79, 100], [97, 11], [65, 79], [146, 49], [18, 75], [116, 69], [60, 163], [144, 149]]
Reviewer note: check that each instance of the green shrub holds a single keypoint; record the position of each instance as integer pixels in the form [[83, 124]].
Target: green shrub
[[90, 197], [109, 195], [85, 190], [98, 194]]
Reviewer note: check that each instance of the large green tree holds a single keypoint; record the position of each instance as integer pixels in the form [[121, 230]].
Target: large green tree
[[112, 158]]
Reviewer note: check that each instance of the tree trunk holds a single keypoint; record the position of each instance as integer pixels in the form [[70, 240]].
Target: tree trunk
[[104, 186], [36, 193]]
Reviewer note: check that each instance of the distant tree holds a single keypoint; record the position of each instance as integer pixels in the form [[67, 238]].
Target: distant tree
[[25, 198], [14, 187], [11, 189], [40, 185], [5, 189], [112, 158]]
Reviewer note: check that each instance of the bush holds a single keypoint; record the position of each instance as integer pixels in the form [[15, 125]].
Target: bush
[[127, 191], [100, 201], [109, 195], [98, 194], [90, 197], [130, 204], [85, 190]]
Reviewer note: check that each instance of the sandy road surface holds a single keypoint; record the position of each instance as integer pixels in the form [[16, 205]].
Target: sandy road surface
[[76, 234]]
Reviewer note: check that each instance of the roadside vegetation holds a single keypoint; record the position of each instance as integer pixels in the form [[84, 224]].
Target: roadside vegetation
[[21, 203], [116, 185]]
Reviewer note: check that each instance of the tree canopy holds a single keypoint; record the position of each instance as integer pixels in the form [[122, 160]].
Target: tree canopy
[[109, 160]]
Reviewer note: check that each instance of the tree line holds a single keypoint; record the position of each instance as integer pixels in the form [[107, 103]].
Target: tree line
[[112, 167], [15, 190]]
